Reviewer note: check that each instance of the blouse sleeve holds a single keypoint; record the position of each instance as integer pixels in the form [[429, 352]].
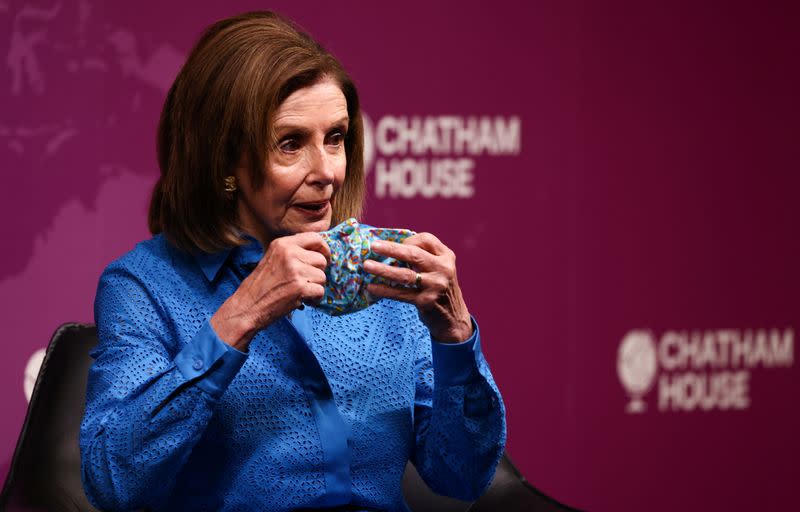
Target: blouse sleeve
[[148, 400], [459, 417]]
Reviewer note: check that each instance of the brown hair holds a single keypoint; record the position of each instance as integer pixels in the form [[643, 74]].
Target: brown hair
[[219, 113]]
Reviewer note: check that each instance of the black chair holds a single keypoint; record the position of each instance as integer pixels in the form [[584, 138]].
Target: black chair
[[45, 470]]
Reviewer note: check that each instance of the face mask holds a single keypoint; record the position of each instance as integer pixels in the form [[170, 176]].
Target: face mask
[[350, 244]]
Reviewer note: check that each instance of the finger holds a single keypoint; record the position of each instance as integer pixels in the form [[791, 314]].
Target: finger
[[313, 293], [308, 274], [400, 275], [315, 275], [313, 259], [409, 295], [313, 242], [444, 257], [427, 241], [415, 256]]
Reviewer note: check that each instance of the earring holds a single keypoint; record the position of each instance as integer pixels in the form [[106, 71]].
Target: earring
[[230, 184]]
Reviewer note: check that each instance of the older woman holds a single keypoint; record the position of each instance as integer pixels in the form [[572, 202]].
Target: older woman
[[213, 388]]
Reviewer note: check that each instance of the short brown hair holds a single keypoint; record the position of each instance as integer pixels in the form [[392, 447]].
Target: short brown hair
[[219, 113]]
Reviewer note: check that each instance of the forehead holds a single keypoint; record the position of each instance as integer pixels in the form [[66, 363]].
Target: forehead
[[321, 102]]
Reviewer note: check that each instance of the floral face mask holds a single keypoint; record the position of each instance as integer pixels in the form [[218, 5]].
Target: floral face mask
[[350, 244]]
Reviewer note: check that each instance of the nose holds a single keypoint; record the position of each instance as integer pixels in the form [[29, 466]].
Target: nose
[[321, 168]]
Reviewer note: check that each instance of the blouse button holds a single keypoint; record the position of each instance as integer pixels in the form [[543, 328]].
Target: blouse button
[[198, 364]]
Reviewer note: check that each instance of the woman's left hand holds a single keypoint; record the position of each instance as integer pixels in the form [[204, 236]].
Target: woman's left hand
[[435, 293]]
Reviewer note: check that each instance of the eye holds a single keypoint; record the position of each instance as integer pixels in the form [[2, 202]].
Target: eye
[[289, 145], [336, 138]]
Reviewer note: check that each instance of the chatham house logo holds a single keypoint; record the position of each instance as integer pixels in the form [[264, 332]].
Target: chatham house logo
[[699, 369], [434, 156]]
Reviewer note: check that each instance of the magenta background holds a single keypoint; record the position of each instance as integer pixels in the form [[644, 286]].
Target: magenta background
[[656, 187]]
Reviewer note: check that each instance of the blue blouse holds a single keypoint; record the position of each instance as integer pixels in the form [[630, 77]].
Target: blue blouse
[[322, 411]]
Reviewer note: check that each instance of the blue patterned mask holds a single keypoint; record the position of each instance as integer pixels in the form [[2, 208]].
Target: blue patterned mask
[[350, 244]]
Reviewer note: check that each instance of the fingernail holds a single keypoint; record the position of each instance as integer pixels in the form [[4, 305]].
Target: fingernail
[[377, 244]]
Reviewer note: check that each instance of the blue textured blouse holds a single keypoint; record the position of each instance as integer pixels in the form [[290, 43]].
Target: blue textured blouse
[[321, 411]]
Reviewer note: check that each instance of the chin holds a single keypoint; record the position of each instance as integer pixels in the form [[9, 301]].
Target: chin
[[322, 225], [301, 220]]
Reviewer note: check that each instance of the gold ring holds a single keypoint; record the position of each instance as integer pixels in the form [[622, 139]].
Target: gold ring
[[418, 281]]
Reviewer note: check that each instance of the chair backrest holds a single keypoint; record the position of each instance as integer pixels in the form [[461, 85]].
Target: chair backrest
[[45, 470], [508, 492]]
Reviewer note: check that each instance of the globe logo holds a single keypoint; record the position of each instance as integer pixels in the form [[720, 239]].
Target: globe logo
[[637, 367], [369, 143]]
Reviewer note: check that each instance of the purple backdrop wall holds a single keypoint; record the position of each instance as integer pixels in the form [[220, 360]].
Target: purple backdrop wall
[[619, 182]]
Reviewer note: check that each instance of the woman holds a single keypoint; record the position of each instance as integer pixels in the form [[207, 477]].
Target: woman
[[213, 388]]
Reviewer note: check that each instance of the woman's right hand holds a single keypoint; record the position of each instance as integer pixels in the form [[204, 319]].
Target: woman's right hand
[[291, 272]]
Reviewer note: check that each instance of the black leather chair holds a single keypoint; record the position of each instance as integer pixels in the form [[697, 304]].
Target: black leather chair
[[45, 470]]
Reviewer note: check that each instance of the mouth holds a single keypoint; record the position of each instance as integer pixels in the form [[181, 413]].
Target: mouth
[[313, 209]]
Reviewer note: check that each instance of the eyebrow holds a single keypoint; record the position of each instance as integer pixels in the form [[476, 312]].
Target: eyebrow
[[298, 128]]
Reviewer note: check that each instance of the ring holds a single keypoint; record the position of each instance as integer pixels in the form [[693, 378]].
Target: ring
[[418, 281]]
